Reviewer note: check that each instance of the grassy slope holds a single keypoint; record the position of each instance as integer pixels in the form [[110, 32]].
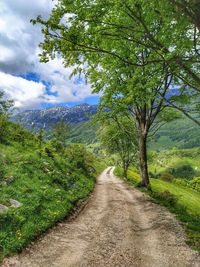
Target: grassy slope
[[182, 133], [84, 133], [169, 136], [182, 201], [48, 188]]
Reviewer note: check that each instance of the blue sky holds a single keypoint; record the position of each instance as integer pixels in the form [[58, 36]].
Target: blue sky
[[28, 82]]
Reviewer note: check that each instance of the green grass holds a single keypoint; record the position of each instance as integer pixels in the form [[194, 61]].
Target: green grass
[[48, 187], [182, 201]]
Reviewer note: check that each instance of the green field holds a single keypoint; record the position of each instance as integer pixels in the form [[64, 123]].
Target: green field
[[181, 134]]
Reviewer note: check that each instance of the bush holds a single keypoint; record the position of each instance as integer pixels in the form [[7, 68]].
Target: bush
[[2, 168], [80, 158], [182, 170], [4, 129]]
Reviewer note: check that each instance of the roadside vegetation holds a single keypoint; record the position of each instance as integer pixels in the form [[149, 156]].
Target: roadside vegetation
[[40, 182]]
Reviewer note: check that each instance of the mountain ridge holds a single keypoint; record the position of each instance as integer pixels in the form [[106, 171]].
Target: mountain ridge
[[40, 118]]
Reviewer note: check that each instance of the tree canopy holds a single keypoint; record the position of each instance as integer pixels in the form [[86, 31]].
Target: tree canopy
[[132, 51]]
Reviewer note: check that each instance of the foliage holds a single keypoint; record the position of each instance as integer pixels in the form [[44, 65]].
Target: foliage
[[182, 170], [80, 158], [61, 131], [4, 129], [119, 36], [5, 104]]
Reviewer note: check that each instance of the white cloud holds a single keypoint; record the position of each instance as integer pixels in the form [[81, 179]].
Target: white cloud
[[19, 55], [19, 35], [25, 93], [67, 89]]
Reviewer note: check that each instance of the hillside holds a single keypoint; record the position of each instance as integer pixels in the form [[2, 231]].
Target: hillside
[[83, 133], [39, 185], [182, 133]]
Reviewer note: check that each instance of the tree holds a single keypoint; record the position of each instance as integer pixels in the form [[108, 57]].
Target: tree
[[119, 136], [61, 131], [131, 50], [190, 9], [89, 26], [139, 96], [5, 104]]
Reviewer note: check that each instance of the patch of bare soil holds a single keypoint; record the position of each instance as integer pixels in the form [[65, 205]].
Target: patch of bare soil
[[118, 227]]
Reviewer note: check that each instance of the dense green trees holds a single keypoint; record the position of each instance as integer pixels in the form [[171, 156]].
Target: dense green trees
[[133, 51]]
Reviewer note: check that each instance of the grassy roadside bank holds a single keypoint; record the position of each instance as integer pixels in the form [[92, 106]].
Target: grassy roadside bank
[[182, 201], [45, 189]]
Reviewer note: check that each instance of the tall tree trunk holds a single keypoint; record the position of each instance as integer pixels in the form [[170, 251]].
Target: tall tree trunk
[[125, 169], [143, 160]]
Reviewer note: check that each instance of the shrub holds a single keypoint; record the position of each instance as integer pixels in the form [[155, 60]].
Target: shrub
[[166, 176], [4, 129], [80, 158], [2, 168], [182, 170]]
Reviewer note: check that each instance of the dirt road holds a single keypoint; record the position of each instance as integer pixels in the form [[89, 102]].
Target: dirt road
[[118, 227]]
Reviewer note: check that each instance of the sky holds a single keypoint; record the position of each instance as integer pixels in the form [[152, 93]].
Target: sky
[[23, 78]]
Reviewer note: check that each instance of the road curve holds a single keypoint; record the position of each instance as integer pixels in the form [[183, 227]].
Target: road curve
[[118, 227]]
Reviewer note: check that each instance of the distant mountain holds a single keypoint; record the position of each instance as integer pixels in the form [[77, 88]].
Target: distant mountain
[[182, 133], [46, 117]]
